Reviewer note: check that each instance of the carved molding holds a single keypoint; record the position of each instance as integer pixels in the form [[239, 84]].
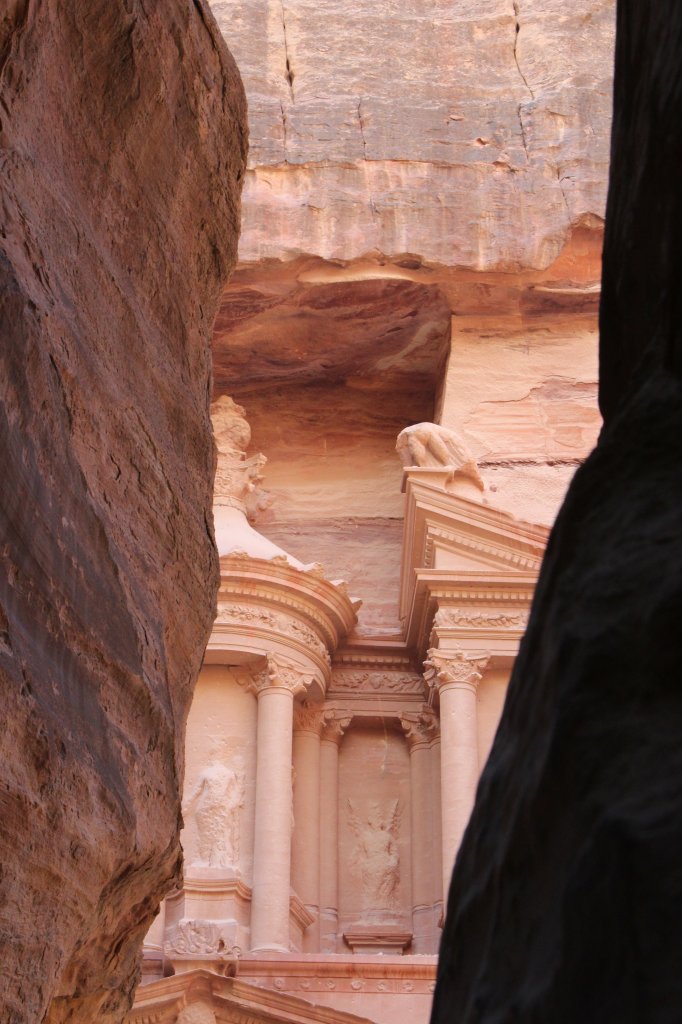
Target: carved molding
[[328, 608], [492, 553], [476, 618], [445, 668], [277, 622], [349, 680]]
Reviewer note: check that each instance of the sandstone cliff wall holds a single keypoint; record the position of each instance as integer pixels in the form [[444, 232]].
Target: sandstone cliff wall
[[422, 238], [468, 133], [122, 149]]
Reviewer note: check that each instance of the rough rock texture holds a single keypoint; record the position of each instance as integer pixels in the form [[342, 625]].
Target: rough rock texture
[[474, 135], [122, 149], [567, 894], [406, 162]]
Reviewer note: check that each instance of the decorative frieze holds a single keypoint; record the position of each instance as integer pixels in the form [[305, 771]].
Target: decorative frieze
[[368, 682], [201, 938], [477, 618], [285, 625]]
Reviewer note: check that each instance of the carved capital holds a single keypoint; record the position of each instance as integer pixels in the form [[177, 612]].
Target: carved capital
[[454, 668], [282, 675], [335, 724], [308, 718], [420, 727]]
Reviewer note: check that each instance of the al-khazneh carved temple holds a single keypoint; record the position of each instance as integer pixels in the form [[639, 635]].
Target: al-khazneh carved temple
[[394, 435]]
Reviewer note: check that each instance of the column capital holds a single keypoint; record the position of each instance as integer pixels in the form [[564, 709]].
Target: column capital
[[308, 718], [277, 673], [454, 668], [420, 727], [334, 725]]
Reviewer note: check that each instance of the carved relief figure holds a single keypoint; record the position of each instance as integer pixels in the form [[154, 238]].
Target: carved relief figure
[[236, 476], [429, 444], [216, 802], [201, 937], [376, 856]]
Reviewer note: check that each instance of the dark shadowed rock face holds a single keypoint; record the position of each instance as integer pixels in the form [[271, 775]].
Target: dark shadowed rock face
[[566, 899], [122, 148]]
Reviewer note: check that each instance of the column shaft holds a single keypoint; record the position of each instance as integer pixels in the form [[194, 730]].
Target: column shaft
[[459, 767], [422, 848], [329, 844], [272, 836], [305, 847]]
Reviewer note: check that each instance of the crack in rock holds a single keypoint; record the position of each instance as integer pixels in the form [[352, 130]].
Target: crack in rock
[[517, 29], [287, 62]]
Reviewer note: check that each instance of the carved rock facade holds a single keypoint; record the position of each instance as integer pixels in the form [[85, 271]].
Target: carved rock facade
[[330, 775]]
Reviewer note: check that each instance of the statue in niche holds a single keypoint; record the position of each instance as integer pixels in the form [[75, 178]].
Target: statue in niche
[[430, 445], [376, 855], [216, 802], [236, 475]]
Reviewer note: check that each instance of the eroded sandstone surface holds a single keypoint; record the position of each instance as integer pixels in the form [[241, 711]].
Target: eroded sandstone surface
[[422, 235], [122, 147], [566, 898], [469, 134]]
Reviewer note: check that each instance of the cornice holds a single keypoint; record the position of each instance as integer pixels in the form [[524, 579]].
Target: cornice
[[275, 582]]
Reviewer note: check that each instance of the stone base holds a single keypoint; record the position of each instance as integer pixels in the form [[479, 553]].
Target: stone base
[[386, 938]]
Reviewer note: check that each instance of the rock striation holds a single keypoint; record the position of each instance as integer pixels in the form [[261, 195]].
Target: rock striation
[[567, 893], [122, 153], [472, 135]]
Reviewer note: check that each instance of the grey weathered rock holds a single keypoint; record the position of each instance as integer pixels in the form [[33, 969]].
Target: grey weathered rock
[[566, 899], [122, 148], [472, 134]]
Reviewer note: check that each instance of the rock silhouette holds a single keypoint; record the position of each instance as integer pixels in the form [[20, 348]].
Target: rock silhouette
[[566, 898]]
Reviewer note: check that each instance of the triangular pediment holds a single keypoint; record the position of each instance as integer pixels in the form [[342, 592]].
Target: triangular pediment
[[445, 530], [204, 997], [455, 545]]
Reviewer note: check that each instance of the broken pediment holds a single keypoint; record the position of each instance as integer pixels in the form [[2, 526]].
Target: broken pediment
[[203, 997], [462, 554]]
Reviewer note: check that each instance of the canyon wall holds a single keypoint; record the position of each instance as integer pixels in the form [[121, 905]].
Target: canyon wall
[[122, 147], [422, 232], [566, 897], [468, 134]]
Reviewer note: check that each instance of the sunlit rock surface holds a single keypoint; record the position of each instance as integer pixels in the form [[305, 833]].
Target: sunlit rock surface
[[471, 134], [123, 138], [421, 181]]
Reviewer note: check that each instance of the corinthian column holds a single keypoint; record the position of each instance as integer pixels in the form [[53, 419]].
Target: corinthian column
[[305, 848], [333, 730], [419, 729], [456, 677], [275, 688]]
